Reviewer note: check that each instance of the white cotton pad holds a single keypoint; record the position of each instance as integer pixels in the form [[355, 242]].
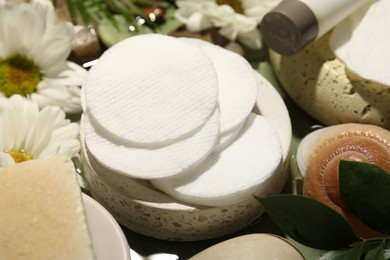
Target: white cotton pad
[[151, 90], [148, 163], [362, 42], [236, 173], [237, 87], [224, 140], [83, 101]]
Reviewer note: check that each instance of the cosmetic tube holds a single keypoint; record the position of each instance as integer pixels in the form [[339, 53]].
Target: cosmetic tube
[[293, 24]]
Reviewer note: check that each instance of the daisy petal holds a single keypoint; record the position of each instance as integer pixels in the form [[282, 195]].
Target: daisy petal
[[16, 127], [68, 98], [69, 131], [232, 25], [19, 40], [6, 160], [69, 148], [73, 75], [251, 39], [64, 140], [38, 138], [54, 48]]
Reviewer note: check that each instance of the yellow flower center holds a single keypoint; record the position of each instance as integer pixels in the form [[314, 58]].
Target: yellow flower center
[[20, 156], [235, 4], [18, 75]]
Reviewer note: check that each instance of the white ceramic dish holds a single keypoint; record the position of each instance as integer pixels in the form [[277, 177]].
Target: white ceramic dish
[[108, 239]]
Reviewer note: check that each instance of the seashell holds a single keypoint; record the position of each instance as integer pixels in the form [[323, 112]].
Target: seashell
[[318, 158]]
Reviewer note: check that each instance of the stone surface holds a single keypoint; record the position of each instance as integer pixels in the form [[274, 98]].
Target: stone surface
[[251, 247], [323, 87]]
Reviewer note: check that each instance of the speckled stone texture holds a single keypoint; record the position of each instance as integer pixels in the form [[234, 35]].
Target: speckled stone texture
[[168, 219], [323, 87]]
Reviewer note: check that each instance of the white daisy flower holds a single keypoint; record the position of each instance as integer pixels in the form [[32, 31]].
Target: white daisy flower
[[33, 56], [29, 133], [236, 19]]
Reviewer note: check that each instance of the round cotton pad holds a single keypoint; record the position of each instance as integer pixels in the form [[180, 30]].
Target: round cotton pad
[[151, 89], [145, 163], [362, 42], [227, 138], [236, 173], [237, 86]]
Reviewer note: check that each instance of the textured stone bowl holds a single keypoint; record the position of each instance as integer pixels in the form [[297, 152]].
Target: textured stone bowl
[[142, 208], [323, 87]]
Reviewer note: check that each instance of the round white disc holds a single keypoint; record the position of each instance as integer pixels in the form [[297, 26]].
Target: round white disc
[[151, 90], [148, 163], [236, 173], [237, 87]]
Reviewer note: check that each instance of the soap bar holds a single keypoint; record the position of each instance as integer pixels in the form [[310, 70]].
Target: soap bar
[[42, 213]]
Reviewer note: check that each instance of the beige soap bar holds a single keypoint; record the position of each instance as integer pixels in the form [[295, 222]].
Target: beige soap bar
[[42, 213]]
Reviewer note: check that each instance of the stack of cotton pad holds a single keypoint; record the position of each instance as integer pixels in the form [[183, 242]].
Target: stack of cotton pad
[[146, 116], [173, 116]]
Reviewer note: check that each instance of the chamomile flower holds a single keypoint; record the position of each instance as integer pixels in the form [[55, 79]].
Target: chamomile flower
[[33, 56], [236, 19], [29, 133]]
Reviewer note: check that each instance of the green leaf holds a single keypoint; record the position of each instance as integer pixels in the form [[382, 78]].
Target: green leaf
[[171, 24], [372, 249], [152, 3], [366, 190], [376, 253], [387, 254], [121, 9], [387, 249], [309, 221], [136, 10], [72, 10], [83, 12], [110, 34], [349, 254], [99, 11]]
